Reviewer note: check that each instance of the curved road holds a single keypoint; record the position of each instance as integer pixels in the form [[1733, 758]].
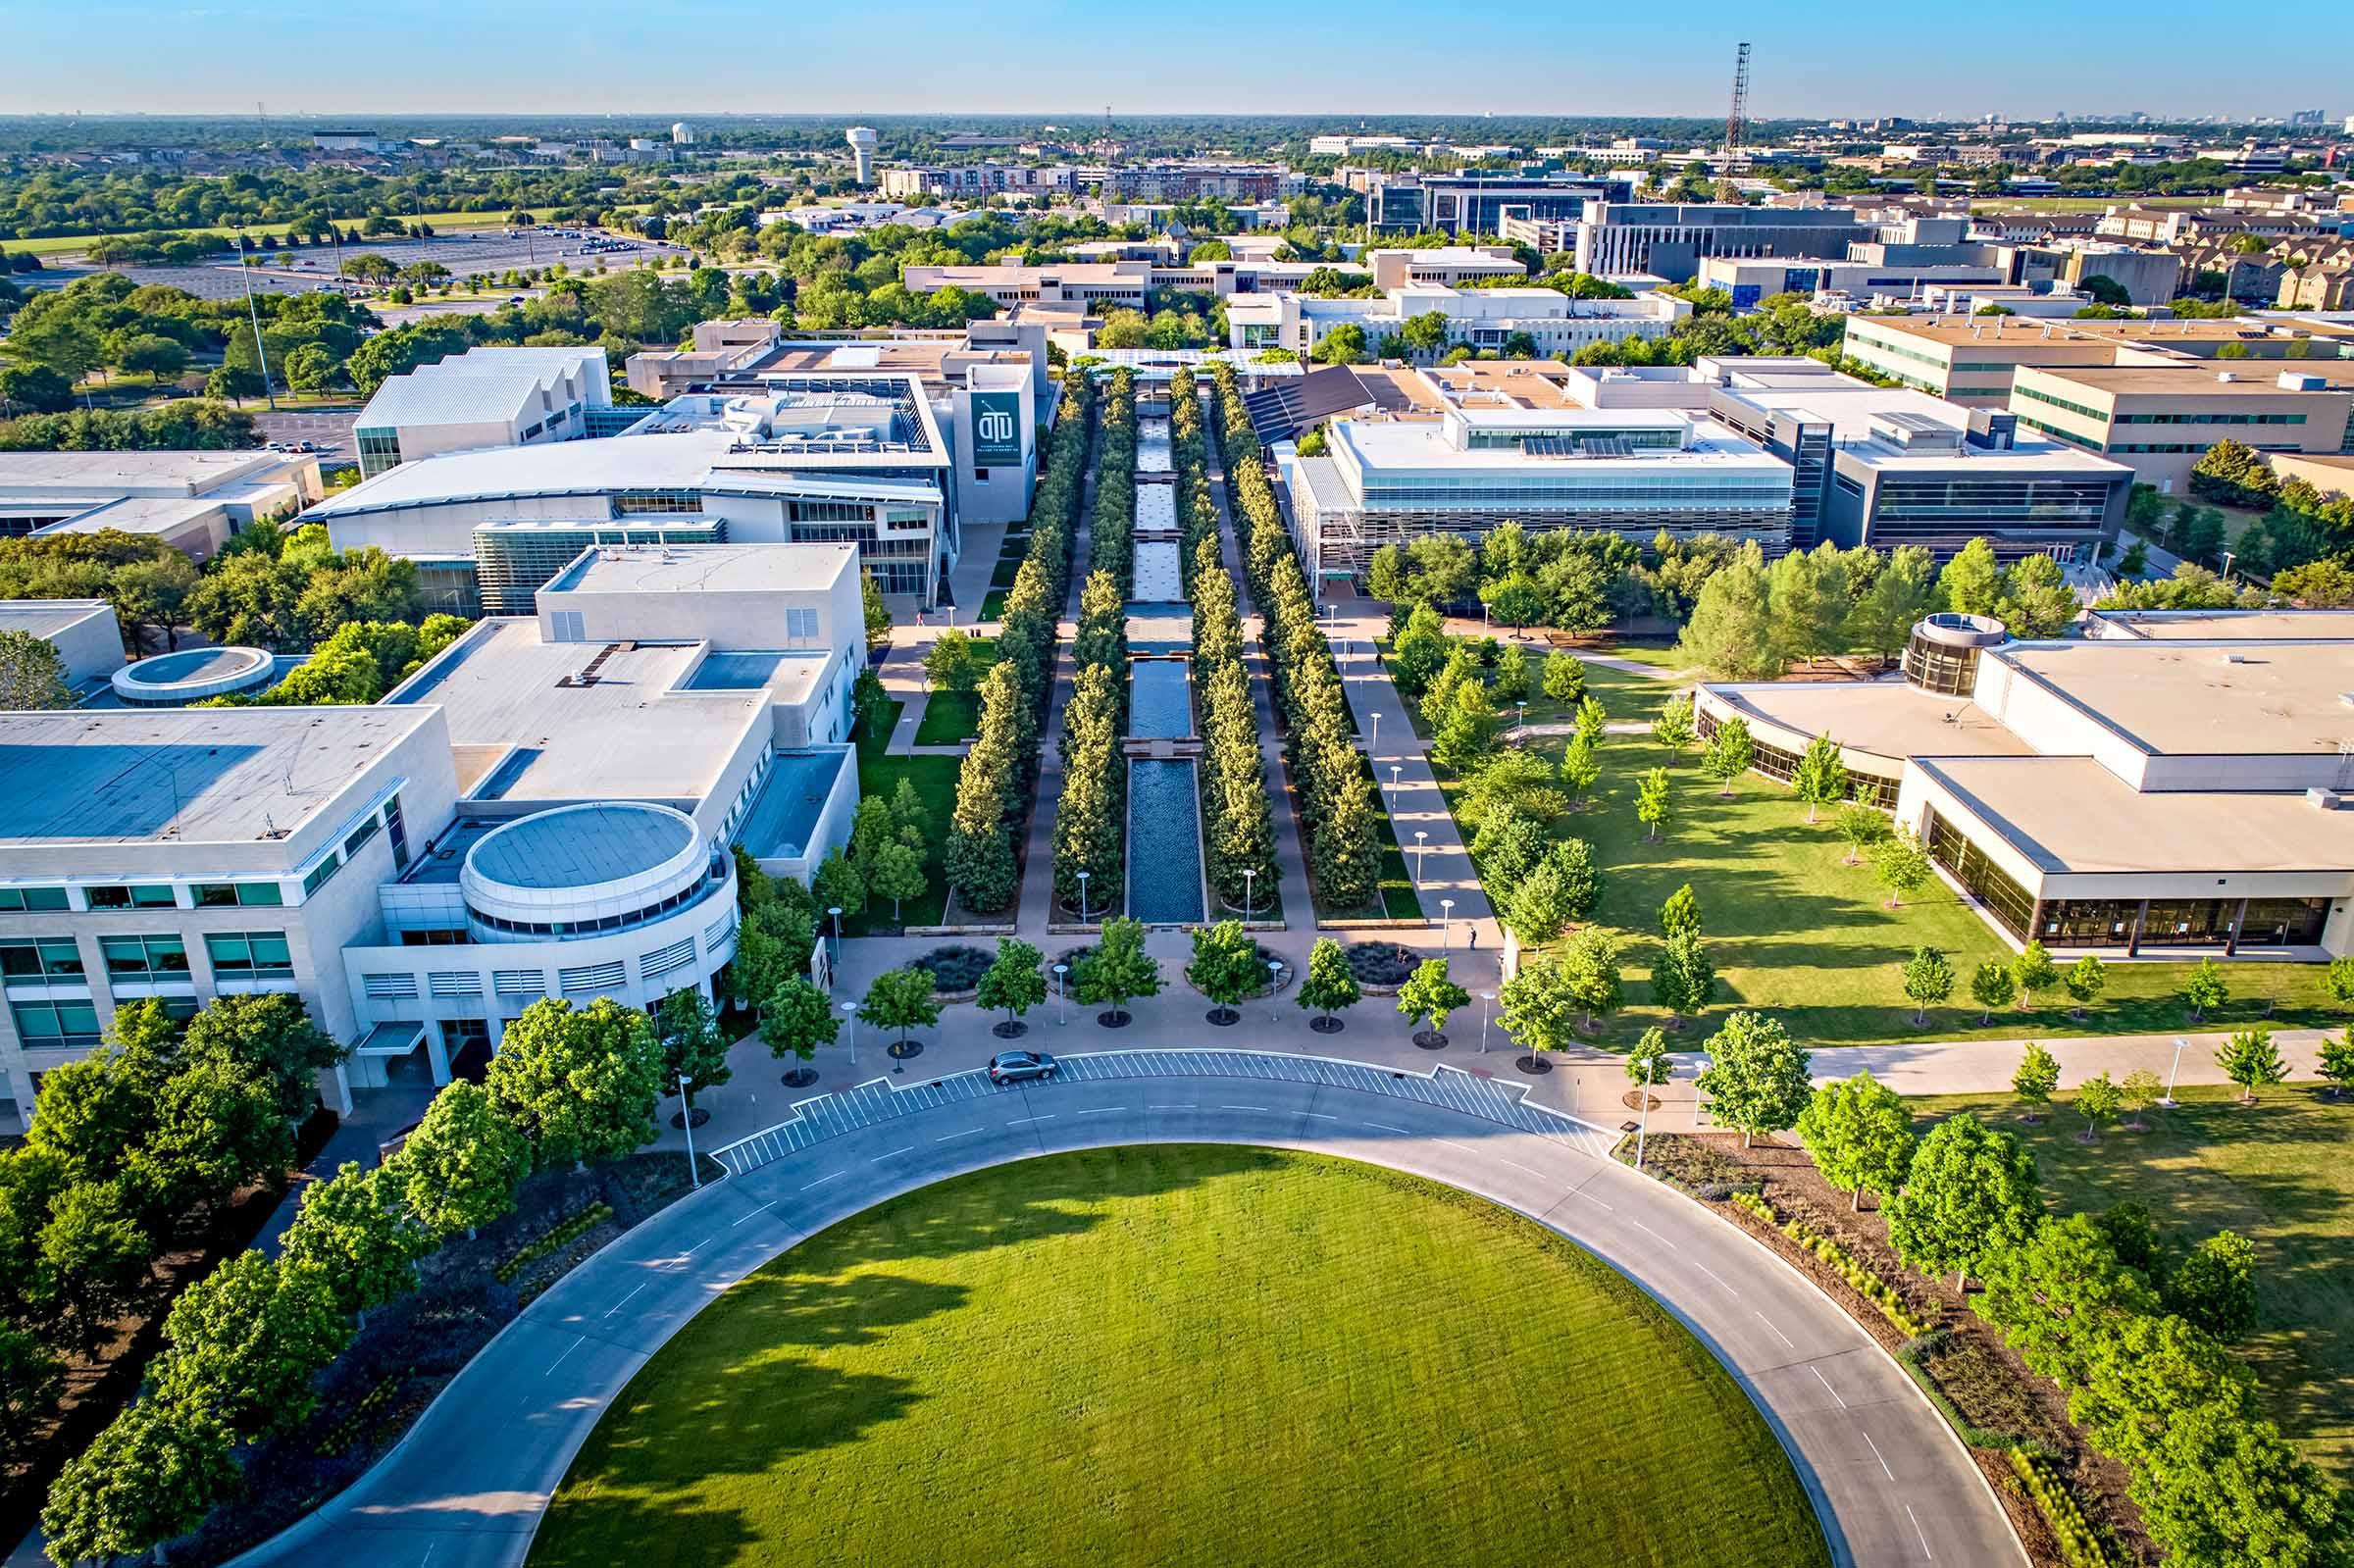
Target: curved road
[[466, 1489]]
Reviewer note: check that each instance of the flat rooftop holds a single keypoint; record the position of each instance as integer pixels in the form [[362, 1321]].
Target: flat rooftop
[[187, 774], [1889, 719], [2183, 698], [706, 569], [628, 736], [1409, 446], [2200, 381], [46, 618], [2226, 625], [1478, 384], [118, 474], [2071, 815], [1988, 331]]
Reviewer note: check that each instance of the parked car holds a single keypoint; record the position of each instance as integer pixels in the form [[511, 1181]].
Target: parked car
[[1014, 1067]]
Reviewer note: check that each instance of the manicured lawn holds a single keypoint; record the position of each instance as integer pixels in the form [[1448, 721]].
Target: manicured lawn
[[1794, 932], [993, 604], [936, 785], [948, 718], [2275, 1172], [1622, 695], [1177, 1355]]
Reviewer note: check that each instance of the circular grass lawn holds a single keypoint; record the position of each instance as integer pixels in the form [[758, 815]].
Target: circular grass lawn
[[1182, 1355]]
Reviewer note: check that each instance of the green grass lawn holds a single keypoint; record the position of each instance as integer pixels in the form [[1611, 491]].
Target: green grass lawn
[[936, 784], [948, 718], [2275, 1172], [1794, 932], [1176, 1355], [993, 604]]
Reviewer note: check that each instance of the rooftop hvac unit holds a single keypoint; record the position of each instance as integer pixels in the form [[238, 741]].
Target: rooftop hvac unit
[[2326, 799]]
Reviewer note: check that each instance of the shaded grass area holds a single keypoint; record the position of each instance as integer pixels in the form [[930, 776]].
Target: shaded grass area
[[951, 716], [1180, 1355], [1794, 932], [993, 604], [2275, 1171], [935, 779]]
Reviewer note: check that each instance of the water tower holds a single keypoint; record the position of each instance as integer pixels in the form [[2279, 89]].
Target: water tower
[[682, 135], [862, 147]]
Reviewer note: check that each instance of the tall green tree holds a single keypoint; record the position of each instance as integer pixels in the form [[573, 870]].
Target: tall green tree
[[1013, 982], [1971, 1197], [1653, 803], [150, 1477], [460, 1168], [1861, 1136], [2250, 1059], [1729, 753], [900, 999], [1928, 977], [1821, 777], [1591, 976], [1756, 1079], [580, 1083], [1330, 986], [1535, 1006], [1119, 970], [2038, 1075], [247, 1341], [353, 1231], [1430, 994], [796, 1020]]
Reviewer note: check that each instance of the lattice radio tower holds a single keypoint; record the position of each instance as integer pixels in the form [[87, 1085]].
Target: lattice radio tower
[[1736, 123]]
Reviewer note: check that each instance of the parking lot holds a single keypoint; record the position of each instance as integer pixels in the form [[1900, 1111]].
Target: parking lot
[[329, 430], [284, 271]]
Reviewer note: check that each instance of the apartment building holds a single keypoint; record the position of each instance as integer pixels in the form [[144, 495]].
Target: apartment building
[[422, 870], [2160, 419]]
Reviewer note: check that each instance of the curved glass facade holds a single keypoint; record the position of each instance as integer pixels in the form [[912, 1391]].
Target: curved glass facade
[[1947, 671]]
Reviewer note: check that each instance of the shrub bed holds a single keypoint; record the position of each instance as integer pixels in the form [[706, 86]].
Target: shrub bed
[[955, 968], [2079, 1544]]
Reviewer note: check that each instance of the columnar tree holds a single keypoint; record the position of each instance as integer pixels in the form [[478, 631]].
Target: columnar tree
[[1672, 728], [1756, 1079], [1649, 1065], [1992, 986], [2085, 978], [1682, 978], [1590, 972], [1861, 1136], [1582, 767], [694, 1050], [1652, 805], [1680, 914], [1226, 967], [2033, 973], [1565, 677]]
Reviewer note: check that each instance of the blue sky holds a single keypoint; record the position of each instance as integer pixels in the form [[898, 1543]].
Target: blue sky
[[2018, 57]]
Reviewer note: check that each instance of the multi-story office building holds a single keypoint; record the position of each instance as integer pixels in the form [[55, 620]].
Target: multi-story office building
[[1555, 325], [1474, 451], [2160, 419], [1476, 203], [1888, 467], [1970, 358], [2177, 793], [192, 501], [484, 397], [545, 809], [977, 180], [1671, 240], [1444, 265], [851, 455]]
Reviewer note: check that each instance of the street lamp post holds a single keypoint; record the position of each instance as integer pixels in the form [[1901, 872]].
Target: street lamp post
[[850, 1016], [1446, 926], [1524, 718], [1062, 1007], [2174, 1073], [260, 354], [1083, 875], [1274, 981], [1643, 1125], [835, 912], [1421, 849], [1249, 885], [1485, 997], [1393, 780], [1373, 742], [695, 1172]]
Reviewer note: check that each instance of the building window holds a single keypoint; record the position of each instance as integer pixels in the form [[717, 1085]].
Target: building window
[[2189, 922], [33, 900], [2283, 921], [801, 626], [1934, 667], [229, 894], [114, 895], [318, 873], [401, 835], [380, 449], [1987, 881], [2090, 922], [55, 1025], [360, 836], [39, 960], [163, 957], [240, 953]]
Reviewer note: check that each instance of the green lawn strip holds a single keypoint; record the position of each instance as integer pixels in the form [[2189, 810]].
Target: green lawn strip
[[934, 780], [1179, 1355], [2275, 1172], [1795, 932], [993, 604], [948, 718], [1621, 693]]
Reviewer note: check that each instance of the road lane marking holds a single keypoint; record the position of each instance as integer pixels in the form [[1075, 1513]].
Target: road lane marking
[[1317, 1116], [1580, 1191], [1452, 1144], [1826, 1385], [1777, 1333], [1025, 1121], [1718, 1278], [625, 1300], [967, 1133], [823, 1180], [1922, 1533], [893, 1155], [1384, 1126], [1242, 1108], [1654, 1234], [1172, 1107], [1099, 1110], [755, 1214], [1518, 1166], [692, 1250], [1877, 1454], [559, 1361]]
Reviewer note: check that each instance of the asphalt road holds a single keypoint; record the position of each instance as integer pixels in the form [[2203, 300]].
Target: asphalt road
[[466, 1489]]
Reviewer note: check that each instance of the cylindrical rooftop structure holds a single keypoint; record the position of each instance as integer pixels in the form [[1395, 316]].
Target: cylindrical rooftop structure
[[581, 869], [192, 675], [1941, 656]]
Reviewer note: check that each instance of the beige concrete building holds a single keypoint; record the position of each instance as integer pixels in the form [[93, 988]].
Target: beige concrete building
[[1970, 358], [2160, 419], [2156, 791]]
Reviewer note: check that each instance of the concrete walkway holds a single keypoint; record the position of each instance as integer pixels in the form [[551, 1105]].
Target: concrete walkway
[[466, 1488]]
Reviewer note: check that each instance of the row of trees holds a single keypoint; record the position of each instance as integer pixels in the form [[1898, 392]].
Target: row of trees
[[1336, 796], [245, 1343], [276, 590], [1090, 814], [2141, 1350], [994, 783], [2302, 524], [1238, 818], [1111, 529]]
